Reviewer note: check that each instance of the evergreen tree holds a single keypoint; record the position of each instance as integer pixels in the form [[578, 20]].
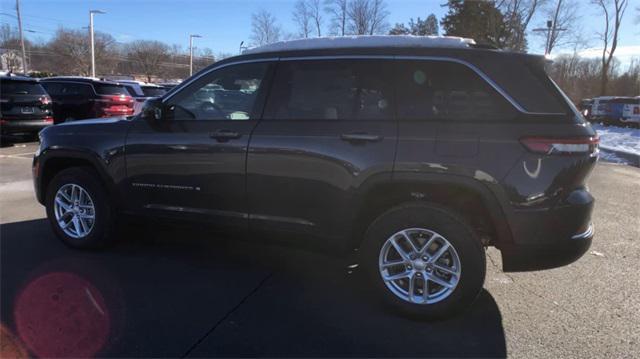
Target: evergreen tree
[[479, 20], [431, 25], [399, 29], [418, 27]]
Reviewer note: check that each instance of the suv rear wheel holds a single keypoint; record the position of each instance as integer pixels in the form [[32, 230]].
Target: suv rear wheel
[[78, 209], [423, 260]]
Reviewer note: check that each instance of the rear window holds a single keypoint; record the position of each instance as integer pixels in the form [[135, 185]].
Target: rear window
[[21, 88], [153, 91], [102, 89]]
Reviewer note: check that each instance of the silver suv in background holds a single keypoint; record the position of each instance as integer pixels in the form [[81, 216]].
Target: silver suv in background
[[142, 91]]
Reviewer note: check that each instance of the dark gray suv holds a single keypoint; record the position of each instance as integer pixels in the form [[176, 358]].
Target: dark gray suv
[[416, 152]]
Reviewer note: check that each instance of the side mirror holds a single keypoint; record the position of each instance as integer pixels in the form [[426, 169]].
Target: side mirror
[[152, 110]]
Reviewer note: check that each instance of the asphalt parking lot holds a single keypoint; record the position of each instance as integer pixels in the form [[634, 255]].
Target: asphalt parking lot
[[167, 292]]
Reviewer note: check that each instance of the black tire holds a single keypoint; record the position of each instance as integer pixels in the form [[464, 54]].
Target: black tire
[[100, 234], [446, 223]]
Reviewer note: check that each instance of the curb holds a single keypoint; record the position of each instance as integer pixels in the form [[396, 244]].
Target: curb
[[632, 158]]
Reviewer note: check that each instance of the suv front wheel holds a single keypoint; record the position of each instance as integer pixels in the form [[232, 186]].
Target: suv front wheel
[[78, 208], [423, 260]]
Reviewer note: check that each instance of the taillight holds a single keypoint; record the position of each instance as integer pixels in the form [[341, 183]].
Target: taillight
[[116, 105], [44, 100], [48, 119], [559, 146], [120, 98]]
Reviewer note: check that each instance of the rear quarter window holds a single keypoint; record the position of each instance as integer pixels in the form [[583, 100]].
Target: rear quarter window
[[527, 82]]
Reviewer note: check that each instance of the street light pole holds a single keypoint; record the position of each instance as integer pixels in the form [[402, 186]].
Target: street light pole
[[24, 54], [551, 30], [93, 55], [191, 53]]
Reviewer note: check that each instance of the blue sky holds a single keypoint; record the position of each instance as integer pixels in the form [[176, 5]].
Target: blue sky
[[224, 23]]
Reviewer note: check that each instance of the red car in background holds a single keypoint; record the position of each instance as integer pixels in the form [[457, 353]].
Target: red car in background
[[77, 98]]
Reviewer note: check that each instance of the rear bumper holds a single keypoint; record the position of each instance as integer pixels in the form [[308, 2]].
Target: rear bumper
[[553, 237], [529, 257], [24, 126]]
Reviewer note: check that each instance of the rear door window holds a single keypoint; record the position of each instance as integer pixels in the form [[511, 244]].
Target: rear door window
[[441, 90], [21, 88], [331, 90]]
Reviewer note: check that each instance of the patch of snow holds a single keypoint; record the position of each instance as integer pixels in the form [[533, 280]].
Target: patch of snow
[[612, 157], [619, 138], [364, 41]]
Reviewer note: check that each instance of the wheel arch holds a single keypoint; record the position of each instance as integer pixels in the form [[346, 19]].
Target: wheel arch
[[52, 162], [469, 198]]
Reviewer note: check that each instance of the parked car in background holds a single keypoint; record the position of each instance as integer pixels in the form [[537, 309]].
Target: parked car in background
[[142, 91], [25, 107], [168, 85], [600, 109], [584, 106], [77, 98], [414, 153], [631, 112], [610, 109]]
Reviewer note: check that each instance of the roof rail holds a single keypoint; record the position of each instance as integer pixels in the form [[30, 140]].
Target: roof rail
[[364, 42]]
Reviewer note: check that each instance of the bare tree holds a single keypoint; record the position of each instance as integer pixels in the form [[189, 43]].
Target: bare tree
[[358, 17], [315, 12], [379, 16], [564, 27], [337, 9], [367, 17], [8, 35], [264, 28], [148, 56], [70, 50], [302, 19], [613, 19]]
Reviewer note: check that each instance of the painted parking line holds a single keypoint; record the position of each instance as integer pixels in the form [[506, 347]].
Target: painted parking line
[[20, 155]]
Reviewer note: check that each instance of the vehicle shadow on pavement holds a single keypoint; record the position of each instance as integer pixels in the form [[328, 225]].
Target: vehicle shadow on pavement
[[170, 292]]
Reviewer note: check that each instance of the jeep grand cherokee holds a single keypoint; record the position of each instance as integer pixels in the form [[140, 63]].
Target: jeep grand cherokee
[[418, 152]]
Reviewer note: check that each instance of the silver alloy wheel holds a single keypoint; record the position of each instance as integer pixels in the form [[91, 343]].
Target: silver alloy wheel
[[419, 266], [74, 210]]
